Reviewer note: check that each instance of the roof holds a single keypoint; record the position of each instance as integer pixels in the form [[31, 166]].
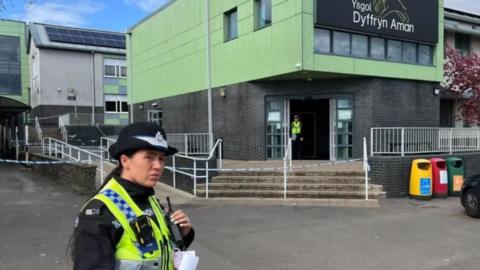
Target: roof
[[77, 39], [471, 7], [10, 107]]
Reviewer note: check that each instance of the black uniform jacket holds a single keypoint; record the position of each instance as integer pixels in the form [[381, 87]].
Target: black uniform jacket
[[97, 232]]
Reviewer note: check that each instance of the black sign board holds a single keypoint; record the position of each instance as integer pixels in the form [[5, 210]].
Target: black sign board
[[415, 20]]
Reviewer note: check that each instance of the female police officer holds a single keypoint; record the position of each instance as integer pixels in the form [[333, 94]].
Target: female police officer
[[123, 226]]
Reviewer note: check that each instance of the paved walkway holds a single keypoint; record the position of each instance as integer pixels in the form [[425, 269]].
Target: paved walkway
[[38, 218]]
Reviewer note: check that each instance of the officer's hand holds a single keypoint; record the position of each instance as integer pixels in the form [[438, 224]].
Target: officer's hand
[[180, 218]]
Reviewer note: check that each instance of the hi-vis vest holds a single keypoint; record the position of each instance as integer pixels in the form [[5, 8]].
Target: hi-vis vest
[[128, 252], [296, 127]]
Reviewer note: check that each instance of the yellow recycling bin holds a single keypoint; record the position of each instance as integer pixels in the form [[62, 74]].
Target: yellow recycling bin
[[421, 179]]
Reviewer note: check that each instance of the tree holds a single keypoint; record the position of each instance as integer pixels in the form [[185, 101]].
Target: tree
[[4, 3], [462, 78]]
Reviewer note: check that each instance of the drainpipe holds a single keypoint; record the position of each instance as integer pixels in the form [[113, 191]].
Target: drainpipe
[[93, 88], [129, 74], [209, 77]]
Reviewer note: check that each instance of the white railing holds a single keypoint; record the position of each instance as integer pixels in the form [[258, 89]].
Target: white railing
[[105, 143], [63, 129], [38, 129], [403, 141], [190, 143], [366, 167], [287, 157], [194, 174], [56, 148]]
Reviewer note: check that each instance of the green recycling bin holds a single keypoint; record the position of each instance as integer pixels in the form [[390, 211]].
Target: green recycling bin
[[455, 175]]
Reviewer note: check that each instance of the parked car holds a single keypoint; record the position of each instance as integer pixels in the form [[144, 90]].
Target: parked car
[[470, 195]]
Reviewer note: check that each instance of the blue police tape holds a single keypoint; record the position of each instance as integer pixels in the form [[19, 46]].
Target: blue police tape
[[266, 169], [39, 162]]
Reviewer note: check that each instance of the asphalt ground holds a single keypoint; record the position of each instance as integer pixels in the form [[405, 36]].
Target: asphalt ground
[[37, 218]]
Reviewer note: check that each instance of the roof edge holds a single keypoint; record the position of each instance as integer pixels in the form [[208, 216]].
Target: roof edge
[[155, 12]]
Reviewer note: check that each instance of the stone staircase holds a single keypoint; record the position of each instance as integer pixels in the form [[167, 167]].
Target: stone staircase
[[301, 184]]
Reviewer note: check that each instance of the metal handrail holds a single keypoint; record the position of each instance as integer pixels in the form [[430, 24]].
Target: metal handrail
[[56, 147], [421, 140], [38, 129], [174, 170], [63, 129], [105, 143], [366, 167], [287, 156], [190, 143]]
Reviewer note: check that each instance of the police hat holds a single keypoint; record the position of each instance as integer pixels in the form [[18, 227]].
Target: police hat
[[138, 136]]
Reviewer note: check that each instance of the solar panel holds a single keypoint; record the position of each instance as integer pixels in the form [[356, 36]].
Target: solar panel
[[85, 37]]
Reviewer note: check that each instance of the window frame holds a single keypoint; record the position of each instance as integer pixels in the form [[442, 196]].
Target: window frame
[[117, 64], [118, 100], [227, 23], [257, 14]]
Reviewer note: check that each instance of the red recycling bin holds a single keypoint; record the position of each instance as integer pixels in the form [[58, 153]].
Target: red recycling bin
[[439, 178]]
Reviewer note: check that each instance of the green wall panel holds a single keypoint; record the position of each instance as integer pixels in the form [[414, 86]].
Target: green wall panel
[[167, 55], [17, 29]]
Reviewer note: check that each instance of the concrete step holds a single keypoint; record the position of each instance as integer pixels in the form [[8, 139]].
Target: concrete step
[[290, 186], [293, 173], [291, 179], [290, 194]]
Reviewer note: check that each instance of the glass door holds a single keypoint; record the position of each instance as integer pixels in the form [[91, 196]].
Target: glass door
[[344, 128], [276, 128]]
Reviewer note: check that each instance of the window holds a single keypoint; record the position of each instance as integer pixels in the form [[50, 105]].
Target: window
[[462, 43], [341, 43], [394, 50], [409, 52], [230, 24], [322, 41], [344, 128], [359, 45], [425, 55], [10, 69], [377, 48], [116, 68], [116, 104], [155, 116], [263, 11]]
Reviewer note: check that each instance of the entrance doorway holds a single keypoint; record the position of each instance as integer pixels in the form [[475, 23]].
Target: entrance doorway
[[315, 117]]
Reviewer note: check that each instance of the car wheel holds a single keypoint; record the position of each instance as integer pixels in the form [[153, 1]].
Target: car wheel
[[472, 203]]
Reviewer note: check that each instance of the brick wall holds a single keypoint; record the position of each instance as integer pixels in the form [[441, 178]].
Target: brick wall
[[394, 172], [239, 116]]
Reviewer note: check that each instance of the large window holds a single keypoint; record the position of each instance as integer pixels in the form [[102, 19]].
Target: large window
[[116, 104], [114, 68], [10, 67], [230, 24], [357, 45], [263, 13], [462, 43]]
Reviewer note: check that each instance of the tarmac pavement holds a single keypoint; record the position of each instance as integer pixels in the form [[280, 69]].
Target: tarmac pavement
[[38, 218]]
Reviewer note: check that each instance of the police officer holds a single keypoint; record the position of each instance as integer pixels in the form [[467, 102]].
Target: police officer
[[123, 226], [297, 138]]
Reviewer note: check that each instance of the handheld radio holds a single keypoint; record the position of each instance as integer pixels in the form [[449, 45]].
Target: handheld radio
[[174, 229]]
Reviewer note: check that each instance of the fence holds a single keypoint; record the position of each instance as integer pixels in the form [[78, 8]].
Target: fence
[[404, 141], [190, 143], [57, 148]]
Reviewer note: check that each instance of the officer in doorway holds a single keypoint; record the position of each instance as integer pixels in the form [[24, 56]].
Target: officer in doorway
[[297, 137]]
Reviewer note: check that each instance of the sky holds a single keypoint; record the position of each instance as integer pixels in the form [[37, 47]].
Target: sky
[[117, 15], [110, 15]]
